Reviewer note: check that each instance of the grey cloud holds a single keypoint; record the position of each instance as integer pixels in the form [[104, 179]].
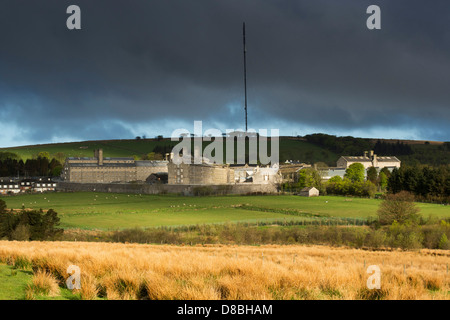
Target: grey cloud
[[310, 63]]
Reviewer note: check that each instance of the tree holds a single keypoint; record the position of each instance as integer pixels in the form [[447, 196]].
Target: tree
[[382, 181], [310, 178], [154, 156], [355, 172], [60, 156], [28, 224], [372, 175], [56, 171], [398, 207], [44, 154], [386, 171]]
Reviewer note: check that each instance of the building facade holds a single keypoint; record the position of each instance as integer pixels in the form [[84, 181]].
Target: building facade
[[369, 160], [100, 169], [200, 174]]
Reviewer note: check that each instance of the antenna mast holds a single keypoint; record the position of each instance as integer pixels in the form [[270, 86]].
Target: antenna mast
[[245, 77]]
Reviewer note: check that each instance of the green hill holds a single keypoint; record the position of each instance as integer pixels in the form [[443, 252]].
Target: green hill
[[308, 149], [290, 149]]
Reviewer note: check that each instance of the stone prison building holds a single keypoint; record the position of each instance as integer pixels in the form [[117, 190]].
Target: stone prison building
[[100, 169]]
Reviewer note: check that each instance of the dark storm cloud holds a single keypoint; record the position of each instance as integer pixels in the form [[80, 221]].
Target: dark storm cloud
[[153, 64]]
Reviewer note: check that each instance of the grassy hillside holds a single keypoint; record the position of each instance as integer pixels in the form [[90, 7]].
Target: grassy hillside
[[111, 148], [109, 211], [291, 148]]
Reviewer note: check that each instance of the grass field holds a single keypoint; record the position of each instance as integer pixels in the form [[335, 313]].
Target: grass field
[[106, 211], [133, 271], [14, 283]]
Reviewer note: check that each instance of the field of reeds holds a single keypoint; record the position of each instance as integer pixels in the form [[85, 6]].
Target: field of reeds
[[163, 272]]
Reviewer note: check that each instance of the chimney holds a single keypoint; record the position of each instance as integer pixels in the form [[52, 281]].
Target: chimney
[[375, 161], [171, 157], [100, 157], [371, 154], [365, 154], [167, 156]]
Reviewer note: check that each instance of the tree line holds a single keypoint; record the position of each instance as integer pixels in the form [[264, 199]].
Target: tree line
[[11, 166], [28, 224], [425, 153], [392, 149], [425, 182]]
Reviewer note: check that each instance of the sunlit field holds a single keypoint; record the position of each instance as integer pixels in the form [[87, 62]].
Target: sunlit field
[[106, 211], [139, 271]]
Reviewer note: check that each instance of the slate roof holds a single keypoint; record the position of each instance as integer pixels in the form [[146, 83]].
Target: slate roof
[[367, 159]]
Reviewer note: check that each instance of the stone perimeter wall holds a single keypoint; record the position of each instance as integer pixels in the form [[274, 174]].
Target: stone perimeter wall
[[186, 190]]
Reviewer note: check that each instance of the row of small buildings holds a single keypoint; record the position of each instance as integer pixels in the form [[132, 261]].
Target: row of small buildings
[[13, 186]]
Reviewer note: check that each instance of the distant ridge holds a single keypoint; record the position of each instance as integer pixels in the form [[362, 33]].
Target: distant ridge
[[291, 148]]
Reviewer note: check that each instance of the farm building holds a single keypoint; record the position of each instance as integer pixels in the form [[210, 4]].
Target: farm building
[[309, 192]]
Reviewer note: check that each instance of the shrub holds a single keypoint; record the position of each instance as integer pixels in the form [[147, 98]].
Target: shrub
[[399, 207], [21, 233], [29, 225], [443, 242], [43, 283]]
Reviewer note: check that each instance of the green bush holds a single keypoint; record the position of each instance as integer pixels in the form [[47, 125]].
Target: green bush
[[399, 207], [28, 224], [443, 242]]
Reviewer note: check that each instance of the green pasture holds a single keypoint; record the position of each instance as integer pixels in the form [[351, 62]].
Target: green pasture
[[14, 282], [106, 211]]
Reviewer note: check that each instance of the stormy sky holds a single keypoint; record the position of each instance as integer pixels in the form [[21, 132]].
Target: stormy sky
[[148, 67]]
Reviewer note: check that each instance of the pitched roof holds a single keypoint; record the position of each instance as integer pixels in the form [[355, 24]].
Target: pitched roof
[[359, 159], [367, 159]]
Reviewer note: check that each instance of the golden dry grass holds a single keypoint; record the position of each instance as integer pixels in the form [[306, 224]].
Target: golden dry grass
[[42, 283], [138, 271]]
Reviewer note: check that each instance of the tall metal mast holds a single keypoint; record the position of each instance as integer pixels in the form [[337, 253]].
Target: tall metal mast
[[245, 77]]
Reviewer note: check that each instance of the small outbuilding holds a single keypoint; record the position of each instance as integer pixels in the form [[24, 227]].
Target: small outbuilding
[[309, 192]]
